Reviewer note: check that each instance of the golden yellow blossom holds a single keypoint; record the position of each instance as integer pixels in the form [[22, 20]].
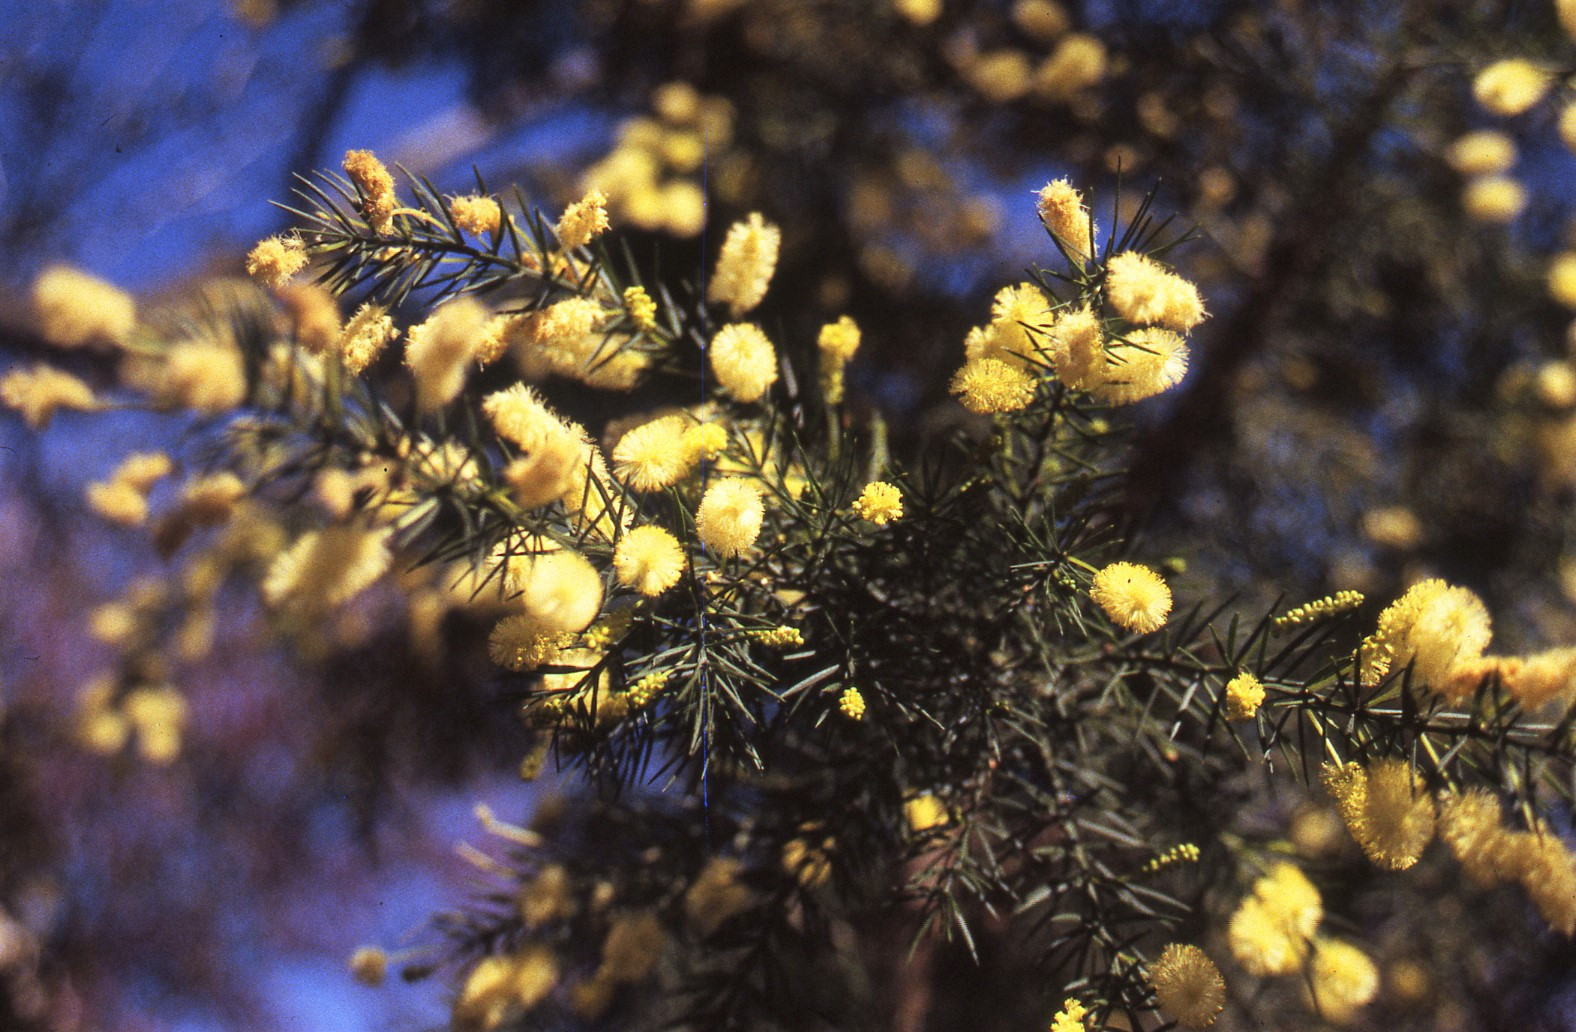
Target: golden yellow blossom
[[440, 351], [989, 385], [716, 895], [475, 214], [1386, 808], [500, 986], [1147, 362], [1511, 86], [1270, 930], [365, 336], [326, 568], [118, 502], [880, 503], [1244, 696], [1341, 980], [1077, 63], [1482, 153], [583, 221], [918, 12], [743, 360], [925, 811], [1062, 211], [1434, 627], [1544, 866], [276, 260], [745, 266], [75, 310], [647, 687], [1562, 278], [1145, 293], [519, 643], [560, 589], [376, 187], [1070, 1018], [369, 965], [652, 456], [704, 442], [1471, 824], [1133, 596], [648, 559], [203, 375], [730, 514], [38, 392], [1330, 605], [641, 308], [836, 344], [1493, 199], [851, 703], [1188, 986]]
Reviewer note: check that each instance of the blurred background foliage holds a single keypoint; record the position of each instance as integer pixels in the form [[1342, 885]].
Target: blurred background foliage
[[1383, 392]]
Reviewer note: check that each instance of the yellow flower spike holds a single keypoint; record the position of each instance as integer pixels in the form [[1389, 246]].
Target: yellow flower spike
[[376, 186], [745, 266], [642, 310], [851, 703], [1070, 1018], [1062, 211]]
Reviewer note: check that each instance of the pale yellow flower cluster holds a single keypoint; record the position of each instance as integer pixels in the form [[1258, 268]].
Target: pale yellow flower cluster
[[123, 498], [836, 345], [375, 185], [1443, 632], [745, 266], [1386, 807], [1027, 335], [38, 393], [650, 178], [1472, 825], [77, 310]]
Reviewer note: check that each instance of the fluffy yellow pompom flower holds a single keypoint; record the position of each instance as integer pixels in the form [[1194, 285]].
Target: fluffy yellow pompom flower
[[1386, 808], [743, 360], [1511, 86], [475, 214], [518, 643], [990, 385], [583, 221], [1188, 986], [1471, 824], [369, 965], [704, 441], [1562, 278], [1244, 696], [1482, 153], [1270, 930], [648, 559], [376, 187], [837, 344], [1145, 293], [1133, 596], [560, 589], [851, 703], [1434, 627], [439, 351], [1070, 1018], [730, 514], [1062, 211], [275, 260], [745, 267], [1341, 980], [501, 985], [37, 392], [1077, 349], [75, 309], [641, 308], [880, 503], [652, 456], [326, 568], [1148, 362], [1493, 199], [1546, 869]]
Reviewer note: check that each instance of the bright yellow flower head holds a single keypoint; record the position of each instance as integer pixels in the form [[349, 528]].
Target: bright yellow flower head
[[990, 385], [743, 360], [1511, 86], [1133, 596], [880, 503], [475, 214], [730, 514], [745, 267], [1434, 627], [1063, 212], [1386, 808], [1149, 362], [1342, 979], [648, 559], [275, 260], [1244, 696], [376, 187], [653, 455], [1188, 986], [75, 309], [583, 221]]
